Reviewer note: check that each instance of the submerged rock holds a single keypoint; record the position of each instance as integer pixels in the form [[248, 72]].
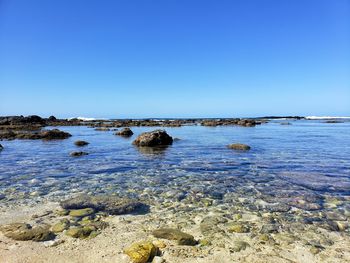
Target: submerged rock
[[153, 138], [81, 143], [24, 232], [239, 147], [77, 154], [102, 129], [1, 147], [126, 132], [141, 252], [175, 234], [110, 204]]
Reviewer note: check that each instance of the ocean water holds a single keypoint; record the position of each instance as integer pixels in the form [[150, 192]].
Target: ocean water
[[301, 165]]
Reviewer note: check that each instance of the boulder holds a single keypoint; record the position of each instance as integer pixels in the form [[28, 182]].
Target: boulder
[[175, 234], [52, 118], [1, 147], [239, 147], [126, 132], [107, 203], [81, 143], [54, 134], [153, 138]]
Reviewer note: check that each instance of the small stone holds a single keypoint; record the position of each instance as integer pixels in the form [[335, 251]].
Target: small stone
[[239, 228], [315, 250], [158, 259], [204, 242], [175, 234], [239, 147], [239, 245], [53, 243], [269, 228], [81, 212], [159, 243], [81, 143], [264, 237], [141, 252], [77, 154]]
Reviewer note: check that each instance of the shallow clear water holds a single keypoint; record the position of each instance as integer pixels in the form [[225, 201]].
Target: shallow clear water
[[307, 160]]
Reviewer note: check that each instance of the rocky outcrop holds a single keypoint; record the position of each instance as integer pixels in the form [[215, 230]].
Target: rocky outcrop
[[175, 234], [239, 147], [224, 122], [54, 134], [125, 132], [153, 138], [21, 120], [107, 203]]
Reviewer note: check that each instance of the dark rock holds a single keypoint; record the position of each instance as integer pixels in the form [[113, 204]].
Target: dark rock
[[175, 234], [52, 118], [126, 132], [153, 138], [1, 147], [77, 154], [81, 143], [54, 134], [24, 232], [110, 204], [239, 147]]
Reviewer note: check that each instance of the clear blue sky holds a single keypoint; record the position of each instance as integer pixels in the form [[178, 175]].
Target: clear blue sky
[[167, 58]]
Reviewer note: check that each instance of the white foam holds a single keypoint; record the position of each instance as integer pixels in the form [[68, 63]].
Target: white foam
[[84, 118], [325, 117]]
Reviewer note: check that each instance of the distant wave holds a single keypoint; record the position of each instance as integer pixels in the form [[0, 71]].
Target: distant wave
[[83, 118], [325, 117]]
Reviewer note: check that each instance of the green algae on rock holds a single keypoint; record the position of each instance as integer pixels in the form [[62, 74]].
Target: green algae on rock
[[60, 226], [79, 232], [141, 252], [25, 232], [81, 212], [175, 234]]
